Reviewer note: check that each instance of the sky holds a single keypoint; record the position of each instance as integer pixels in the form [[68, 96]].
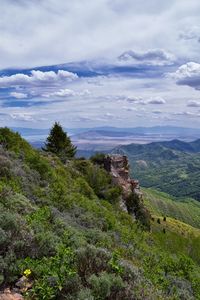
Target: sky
[[84, 63]]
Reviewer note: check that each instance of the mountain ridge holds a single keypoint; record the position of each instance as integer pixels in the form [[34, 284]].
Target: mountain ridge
[[172, 167]]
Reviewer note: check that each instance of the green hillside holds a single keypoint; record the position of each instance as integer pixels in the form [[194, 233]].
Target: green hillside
[[173, 167], [62, 228], [162, 204]]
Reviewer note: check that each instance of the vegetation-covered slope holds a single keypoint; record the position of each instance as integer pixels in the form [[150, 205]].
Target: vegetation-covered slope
[[186, 210], [172, 167], [60, 226]]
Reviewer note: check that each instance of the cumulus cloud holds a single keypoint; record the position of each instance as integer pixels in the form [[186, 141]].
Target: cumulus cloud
[[152, 100], [193, 103], [56, 31], [151, 56], [18, 95], [188, 74], [37, 78], [134, 99], [156, 100], [187, 113], [77, 33], [66, 93]]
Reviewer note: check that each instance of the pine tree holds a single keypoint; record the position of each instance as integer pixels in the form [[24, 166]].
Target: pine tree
[[59, 143]]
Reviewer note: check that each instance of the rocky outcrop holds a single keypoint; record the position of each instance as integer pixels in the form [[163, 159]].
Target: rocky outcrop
[[8, 295], [21, 286], [117, 165], [132, 202]]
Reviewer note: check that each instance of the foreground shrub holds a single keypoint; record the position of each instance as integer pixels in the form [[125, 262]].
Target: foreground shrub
[[91, 260], [50, 273], [107, 286]]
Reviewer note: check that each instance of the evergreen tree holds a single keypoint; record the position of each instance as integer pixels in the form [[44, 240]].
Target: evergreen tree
[[59, 143]]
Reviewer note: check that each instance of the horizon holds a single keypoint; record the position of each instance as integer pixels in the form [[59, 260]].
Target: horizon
[[105, 138], [100, 64]]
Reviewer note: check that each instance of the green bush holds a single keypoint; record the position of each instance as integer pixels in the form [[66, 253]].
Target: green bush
[[106, 286], [98, 159], [50, 273], [91, 260], [136, 206]]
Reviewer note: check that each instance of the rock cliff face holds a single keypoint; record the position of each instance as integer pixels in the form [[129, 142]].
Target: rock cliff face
[[117, 165], [132, 202]]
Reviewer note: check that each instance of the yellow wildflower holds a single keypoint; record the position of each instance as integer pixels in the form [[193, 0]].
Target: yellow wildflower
[[27, 272]]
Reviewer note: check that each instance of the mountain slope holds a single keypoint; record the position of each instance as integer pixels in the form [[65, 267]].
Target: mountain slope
[[161, 204], [62, 228], [172, 167]]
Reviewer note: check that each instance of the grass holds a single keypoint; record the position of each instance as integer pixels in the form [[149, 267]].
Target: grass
[[186, 210]]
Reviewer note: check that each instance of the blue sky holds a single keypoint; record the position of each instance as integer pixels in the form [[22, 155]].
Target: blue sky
[[95, 63]]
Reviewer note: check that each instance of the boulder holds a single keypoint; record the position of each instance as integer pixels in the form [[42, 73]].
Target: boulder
[[8, 295]]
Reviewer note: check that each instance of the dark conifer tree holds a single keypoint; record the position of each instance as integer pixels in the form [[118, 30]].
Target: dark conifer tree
[[59, 143]]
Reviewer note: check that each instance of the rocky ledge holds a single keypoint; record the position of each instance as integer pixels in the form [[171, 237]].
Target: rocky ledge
[[132, 201]]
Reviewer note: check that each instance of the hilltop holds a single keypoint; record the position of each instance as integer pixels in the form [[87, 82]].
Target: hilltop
[[64, 235]]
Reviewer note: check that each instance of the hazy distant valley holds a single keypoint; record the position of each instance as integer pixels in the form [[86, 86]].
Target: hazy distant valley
[[104, 139]]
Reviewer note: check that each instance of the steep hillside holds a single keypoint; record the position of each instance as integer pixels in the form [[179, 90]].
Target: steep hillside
[[172, 167], [64, 236], [161, 204]]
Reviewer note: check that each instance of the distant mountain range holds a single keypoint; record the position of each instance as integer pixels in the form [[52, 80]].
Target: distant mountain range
[[171, 166], [132, 130], [146, 149], [104, 139]]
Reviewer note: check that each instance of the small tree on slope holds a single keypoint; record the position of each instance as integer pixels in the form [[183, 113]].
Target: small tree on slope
[[59, 143]]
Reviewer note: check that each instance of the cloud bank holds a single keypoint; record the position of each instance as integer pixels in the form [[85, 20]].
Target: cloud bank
[[37, 78], [103, 62]]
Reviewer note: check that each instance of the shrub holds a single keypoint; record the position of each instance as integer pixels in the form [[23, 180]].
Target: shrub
[[50, 273], [136, 206], [106, 286], [98, 159], [82, 187], [5, 167], [84, 294], [91, 260]]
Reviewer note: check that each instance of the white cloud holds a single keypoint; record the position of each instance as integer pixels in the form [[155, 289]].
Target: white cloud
[[156, 100], [37, 78], [134, 99], [188, 74], [66, 93], [18, 95], [35, 33], [193, 103], [152, 100], [150, 57], [50, 32], [22, 117], [192, 33], [187, 113]]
